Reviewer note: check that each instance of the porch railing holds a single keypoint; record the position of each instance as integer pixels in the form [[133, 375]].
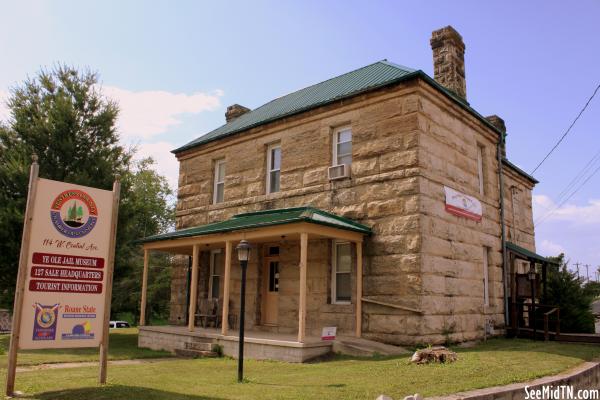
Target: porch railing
[[538, 316]]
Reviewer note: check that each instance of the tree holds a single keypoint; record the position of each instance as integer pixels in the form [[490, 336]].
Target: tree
[[148, 210], [566, 291], [62, 116]]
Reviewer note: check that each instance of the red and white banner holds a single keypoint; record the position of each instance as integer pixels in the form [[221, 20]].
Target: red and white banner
[[329, 333], [462, 205]]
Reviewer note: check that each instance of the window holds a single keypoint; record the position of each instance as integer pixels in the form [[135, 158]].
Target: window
[[274, 276], [486, 277], [219, 189], [342, 265], [273, 167], [342, 146], [216, 263], [480, 154]]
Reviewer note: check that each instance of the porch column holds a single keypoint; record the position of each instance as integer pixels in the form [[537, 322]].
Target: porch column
[[144, 289], [225, 317], [359, 288], [302, 302], [193, 288]]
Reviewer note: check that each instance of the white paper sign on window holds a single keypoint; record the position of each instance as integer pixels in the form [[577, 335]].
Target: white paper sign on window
[[462, 205]]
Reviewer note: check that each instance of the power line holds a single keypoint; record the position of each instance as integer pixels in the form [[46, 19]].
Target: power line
[[542, 219], [568, 130], [579, 176]]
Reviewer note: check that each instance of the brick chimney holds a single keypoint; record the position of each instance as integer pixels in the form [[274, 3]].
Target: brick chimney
[[501, 126], [449, 60], [235, 111]]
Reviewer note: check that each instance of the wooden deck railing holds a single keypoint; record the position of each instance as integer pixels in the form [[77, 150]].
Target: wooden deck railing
[[546, 323], [532, 311]]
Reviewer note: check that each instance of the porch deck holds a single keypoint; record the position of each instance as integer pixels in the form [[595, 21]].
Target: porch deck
[[258, 345]]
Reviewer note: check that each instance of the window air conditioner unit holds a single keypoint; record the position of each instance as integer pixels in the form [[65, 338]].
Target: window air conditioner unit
[[338, 172]]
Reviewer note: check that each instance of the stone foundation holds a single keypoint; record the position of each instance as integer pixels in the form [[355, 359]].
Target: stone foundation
[[171, 338]]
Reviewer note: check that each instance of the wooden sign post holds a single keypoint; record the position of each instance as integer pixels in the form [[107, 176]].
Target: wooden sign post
[[64, 282], [18, 304]]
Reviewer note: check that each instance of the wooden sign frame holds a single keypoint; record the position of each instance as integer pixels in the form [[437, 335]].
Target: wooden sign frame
[[22, 278]]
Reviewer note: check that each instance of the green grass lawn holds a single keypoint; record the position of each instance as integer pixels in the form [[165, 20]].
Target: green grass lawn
[[122, 346], [497, 362]]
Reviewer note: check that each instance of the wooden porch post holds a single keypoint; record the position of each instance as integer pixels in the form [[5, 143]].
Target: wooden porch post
[[513, 296], [302, 302], [359, 288], [225, 317], [144, 289], [194, 287]]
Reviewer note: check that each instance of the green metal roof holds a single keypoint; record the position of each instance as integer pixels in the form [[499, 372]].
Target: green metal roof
[[520, 171], [366, 78], [527, 253], [371, 77], [265, 218]]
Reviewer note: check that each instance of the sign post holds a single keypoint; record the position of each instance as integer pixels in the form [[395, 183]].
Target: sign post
[[18, 304], [66, 263], [109, 281]]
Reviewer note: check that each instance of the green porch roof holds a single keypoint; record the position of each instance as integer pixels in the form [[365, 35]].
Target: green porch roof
[[523, 252], [259, 219]]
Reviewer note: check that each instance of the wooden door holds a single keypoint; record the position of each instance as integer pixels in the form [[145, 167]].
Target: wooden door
[[270, 295]]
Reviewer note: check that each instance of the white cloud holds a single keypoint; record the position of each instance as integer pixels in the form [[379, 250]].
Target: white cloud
[[4, 113], [166, 163], [580, 215], [148, 113], [550, 248]]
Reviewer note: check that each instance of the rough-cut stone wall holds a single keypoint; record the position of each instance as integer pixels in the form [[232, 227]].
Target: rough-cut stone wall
[[408, 141], [381, 193], [519, 220], [453, 247]]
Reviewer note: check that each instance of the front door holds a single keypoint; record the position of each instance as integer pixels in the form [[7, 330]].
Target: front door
[[270, 295]]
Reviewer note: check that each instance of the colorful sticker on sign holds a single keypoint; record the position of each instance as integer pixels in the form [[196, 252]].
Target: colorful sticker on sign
[[74, 213], [79, 331], [44, 323]]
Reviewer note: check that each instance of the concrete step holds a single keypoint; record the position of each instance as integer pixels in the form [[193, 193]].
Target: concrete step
[[365, 348], [189, 353], [201, 346]]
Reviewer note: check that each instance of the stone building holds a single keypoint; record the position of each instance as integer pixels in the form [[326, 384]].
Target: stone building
[[373, 204]]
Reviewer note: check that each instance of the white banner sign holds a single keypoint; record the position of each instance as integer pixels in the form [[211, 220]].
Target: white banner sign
[[329, 333], [462, 205], [65, 287]]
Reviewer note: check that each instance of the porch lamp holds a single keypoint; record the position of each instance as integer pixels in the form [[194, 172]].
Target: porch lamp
[[243, 251]]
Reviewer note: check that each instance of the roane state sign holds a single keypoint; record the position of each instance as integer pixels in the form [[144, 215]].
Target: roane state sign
[[63, 302]]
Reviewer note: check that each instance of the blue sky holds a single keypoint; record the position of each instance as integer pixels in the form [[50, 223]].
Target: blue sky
[[175, 66]]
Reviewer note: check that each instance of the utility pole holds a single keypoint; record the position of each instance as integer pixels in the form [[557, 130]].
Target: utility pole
[[577, 266], [587, 272]]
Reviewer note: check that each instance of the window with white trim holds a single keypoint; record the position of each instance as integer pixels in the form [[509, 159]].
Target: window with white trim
[[341, 286], [342, 146], [273, 167], [480, 172], [486, 276], [216, 265], [219, 185]]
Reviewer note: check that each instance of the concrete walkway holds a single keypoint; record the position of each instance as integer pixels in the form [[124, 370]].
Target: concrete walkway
[[28, 368]]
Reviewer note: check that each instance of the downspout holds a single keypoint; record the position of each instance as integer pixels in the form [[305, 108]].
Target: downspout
[[503, 230]]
